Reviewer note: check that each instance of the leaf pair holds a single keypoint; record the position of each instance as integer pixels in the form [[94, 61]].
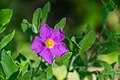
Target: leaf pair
[[39, 17]]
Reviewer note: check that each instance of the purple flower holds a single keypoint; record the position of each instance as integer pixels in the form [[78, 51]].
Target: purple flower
[[49, 44]]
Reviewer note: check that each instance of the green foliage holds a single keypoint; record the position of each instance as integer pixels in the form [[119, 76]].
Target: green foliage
[[61, 24], [25, 25], [49, 72], [6, 40], [45, 11], [5, 16], [86, 43], [86, 49], [64, 59], [8, 64], [106, 9], [37, 17], [26, 76]]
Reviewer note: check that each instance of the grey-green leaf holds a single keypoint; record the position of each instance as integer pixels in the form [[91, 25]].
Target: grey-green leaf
[[61, 24], [8, 64], [86, 43], [88, 40], [6, 40], [5, 16], [36, 18], [45, 11], [26, 76], [25, 25]]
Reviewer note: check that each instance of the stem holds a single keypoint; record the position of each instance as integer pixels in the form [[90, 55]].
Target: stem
[[94, 47], [36, 69], [72, 61], [104, 26]]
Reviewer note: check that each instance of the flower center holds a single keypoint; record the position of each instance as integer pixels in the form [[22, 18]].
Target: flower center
[[49, 43]]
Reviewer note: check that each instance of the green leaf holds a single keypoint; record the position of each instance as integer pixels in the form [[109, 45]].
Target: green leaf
[[88, 40], [36, 18], [23, 66], [111, 45], [88, 28], [5, 16], [69, 43], [86, 43], [61, 24], [108, 71], [25, 25], [106, 65], [106, 8], [6, 40], [49, 72], [2, 75], [110, 57], [8, 64], [60, 72], [110, 34], [104, 13], [26, 76], [111, 5], [41, 75], [45, 11], [73, 39], [119, 61], [64, 58], [100, 76]]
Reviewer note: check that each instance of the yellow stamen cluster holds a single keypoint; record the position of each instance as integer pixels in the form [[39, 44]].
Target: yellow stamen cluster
[[49, 43]]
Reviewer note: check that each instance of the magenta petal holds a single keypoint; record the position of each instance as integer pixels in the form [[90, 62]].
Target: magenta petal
[[47, 55], [45, 31], [37, 44], [59, 49], [58, 35]]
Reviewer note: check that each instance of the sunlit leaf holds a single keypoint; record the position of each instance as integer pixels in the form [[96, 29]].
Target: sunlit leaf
[[60, 69], [6, 39], [8, 64], [5, 16], [110, 57]]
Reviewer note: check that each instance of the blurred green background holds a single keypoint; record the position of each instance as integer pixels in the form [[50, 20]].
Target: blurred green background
[[79, 13]]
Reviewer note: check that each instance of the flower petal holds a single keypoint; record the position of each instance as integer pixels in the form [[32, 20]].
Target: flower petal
[[47, 55], [37, 44], [57, 35], [59, 49], [45, 31]]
